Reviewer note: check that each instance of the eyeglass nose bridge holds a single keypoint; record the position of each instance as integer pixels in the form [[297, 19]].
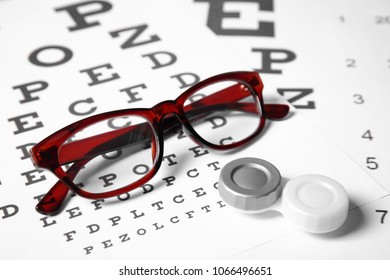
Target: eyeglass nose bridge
[[165, 108], [170, 119]]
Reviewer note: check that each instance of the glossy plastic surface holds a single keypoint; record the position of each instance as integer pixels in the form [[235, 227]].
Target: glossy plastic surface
[[250, 184], [54, 151], [315, 203]]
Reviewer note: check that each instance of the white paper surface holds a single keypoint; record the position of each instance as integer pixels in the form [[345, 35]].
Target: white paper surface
[[190, 222]]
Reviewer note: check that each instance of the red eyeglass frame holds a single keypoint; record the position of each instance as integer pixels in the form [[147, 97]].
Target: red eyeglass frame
[[46, 153]]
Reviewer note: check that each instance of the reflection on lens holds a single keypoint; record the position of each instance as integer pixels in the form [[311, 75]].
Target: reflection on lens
[[110, 154], [224, 112]]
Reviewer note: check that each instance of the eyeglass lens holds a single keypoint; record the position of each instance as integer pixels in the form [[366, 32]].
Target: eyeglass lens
[[116, 152], [233, 118]]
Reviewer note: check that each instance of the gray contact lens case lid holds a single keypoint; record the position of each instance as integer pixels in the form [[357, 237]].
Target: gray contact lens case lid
[[250, 184]]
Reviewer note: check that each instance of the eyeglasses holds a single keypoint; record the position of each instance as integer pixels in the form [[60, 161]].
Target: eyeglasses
[[115, 152]]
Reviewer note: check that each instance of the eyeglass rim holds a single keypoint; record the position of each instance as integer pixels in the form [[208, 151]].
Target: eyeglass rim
[[57, 139]]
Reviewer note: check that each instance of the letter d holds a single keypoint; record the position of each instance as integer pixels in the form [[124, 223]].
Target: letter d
[[9, 210]]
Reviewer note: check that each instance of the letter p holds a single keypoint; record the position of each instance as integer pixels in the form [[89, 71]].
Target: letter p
[[80, 11]]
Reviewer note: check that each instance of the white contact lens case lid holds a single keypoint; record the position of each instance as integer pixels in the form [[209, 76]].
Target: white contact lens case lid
[[314, 203]]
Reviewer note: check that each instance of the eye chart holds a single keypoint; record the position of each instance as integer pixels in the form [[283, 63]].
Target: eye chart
[[330, 59], [323, 41], [61, 62]]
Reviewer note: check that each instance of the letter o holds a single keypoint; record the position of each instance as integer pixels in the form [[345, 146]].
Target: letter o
[[141, 169], [123, 196], [67, 54]]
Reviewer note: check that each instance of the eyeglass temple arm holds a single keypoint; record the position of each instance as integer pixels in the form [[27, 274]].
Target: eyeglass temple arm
[[238, 92], [52, 201], [275, 111]]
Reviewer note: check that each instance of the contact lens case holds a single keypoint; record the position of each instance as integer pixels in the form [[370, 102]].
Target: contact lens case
[[313, 203]]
